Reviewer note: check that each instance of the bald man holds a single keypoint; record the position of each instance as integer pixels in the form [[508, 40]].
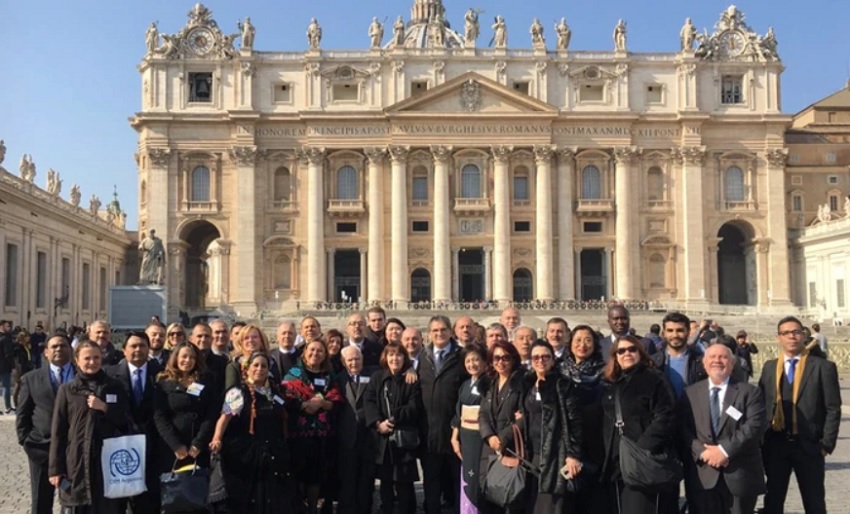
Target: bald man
[[510, 319], [464, 330], [101, 333]]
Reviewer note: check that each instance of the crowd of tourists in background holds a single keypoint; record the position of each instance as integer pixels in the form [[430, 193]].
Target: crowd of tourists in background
[[492, 419]]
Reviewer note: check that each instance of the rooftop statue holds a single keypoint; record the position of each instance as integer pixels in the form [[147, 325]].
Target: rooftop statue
[[536, 31], [376, 33], [54, 183], [620, 36], [314, 34], [688, 35], [75, 195], [152, 39], [398, 33], [564, 34], [2, 151], [94, 205], [471, 27], [500, 33], [27, 168], [248, 32]]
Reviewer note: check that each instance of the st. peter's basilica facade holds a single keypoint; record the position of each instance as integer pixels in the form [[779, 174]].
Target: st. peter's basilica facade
[[431, 166]]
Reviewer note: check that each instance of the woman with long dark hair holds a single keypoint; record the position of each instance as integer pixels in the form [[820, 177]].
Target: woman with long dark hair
[[90, 408], [647, 405], [466, 434]]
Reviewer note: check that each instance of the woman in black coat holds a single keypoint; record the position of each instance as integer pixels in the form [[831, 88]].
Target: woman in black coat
[[393, 405], [89, 409], [647, 405], [185, 410], [501, 409], [552, 432]]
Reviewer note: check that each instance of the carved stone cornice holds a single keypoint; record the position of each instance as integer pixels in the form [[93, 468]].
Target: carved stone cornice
[[313, 154], [441, 153], [693, 155], [243, 155], [159, 156], [625, 154], [399, 153], [312, 68], [543, 153], [375, 154], [777, 157], [502, 153]]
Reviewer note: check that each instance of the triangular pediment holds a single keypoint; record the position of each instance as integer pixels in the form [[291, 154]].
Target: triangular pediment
[[471, 93]]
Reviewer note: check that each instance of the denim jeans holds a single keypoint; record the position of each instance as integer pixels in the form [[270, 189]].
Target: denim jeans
[[6, 382]]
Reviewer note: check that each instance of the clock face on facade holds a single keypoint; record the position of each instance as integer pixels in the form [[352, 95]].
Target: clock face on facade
[[200, 41], [732, 43]]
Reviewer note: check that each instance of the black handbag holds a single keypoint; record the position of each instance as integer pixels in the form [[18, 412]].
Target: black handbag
[[506, 478], [184, 491], [642, 468], [401, 438]]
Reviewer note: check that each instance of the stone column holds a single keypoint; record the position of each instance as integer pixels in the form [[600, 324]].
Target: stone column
[[693, 227], [609, 272], [488, 272], [627, 250], [456, 274], [177, 276], [331, 264], [316, 283], [544, 277], [376, 267], [441, 231], [565, 262], [364, 282], [502, 224], [160, 194], [248, 247], [398, 252], [777, 230]]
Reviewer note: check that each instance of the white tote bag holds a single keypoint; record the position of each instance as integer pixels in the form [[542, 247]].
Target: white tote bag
[[122, 460]]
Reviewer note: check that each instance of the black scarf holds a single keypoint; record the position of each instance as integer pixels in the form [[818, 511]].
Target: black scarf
[[586, 372]]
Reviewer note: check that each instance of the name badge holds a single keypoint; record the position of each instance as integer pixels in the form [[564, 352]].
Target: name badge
[[537, 396], [319, 382], [475, 391], [734, 413], [278, 400], [364, 380], [195, 389], [111, 398]]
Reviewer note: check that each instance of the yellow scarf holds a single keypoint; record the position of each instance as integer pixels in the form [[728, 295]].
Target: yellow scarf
[[778, 421]]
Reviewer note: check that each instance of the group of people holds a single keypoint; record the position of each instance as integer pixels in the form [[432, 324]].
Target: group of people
[[310, 420]]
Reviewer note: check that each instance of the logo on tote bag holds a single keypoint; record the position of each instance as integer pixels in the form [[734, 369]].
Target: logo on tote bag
[[124, 462]]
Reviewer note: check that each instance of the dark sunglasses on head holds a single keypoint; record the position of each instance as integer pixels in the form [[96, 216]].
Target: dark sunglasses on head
[[627, 349]]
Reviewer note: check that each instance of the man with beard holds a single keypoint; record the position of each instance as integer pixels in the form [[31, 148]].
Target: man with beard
[[682, 365], [156, 336], [620, 322], [376, 318]]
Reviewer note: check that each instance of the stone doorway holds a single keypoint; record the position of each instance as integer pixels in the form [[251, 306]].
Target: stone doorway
[[523, 285], [420, 285], [594, 277], [347, 276], [199, 237], [471, 271], [736, 265]]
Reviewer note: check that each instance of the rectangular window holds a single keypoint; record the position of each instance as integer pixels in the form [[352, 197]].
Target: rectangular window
[[832, 180], [839, 293], [797, 203], [522, 86], [592, 93], [346, 93], [794, 158], [282, 93], [592, 227], [420, 226], [11, 275], [731, 89], [117, 278], [521, 188], [346, 228], [40, 280], [420, 189], [418, 87], [522, 226], [104, 290], [833, 202], [86, 280], [813, 294], [66, 276], [200, 87], [654, 94]]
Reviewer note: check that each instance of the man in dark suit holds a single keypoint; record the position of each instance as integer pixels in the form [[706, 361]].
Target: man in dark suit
[[35, 416], [356, 441], [724, 420], [156, 336], [371, 350], [441, 372], [138, 375], [201, 337], [803, 401], [286, 355]]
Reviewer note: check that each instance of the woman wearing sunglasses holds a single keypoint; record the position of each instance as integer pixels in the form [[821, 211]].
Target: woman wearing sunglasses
[[174, 335], [646, 402]]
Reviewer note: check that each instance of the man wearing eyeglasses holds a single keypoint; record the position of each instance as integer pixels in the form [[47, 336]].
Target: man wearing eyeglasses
[[803, 402], [371, 351]]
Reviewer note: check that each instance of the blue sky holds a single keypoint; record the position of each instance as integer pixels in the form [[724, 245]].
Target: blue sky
[[68, 79]]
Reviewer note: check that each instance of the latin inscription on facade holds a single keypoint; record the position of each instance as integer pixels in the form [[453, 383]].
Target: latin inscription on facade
[[470, 129]]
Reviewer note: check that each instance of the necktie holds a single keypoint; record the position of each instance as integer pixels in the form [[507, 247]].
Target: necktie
[[438, 360], [138, 390], [57, 379], [714, 408], [792, 368]]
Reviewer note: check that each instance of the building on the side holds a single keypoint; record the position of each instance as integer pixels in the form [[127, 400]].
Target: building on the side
[[59, 257], [430, 167], [818, 208]]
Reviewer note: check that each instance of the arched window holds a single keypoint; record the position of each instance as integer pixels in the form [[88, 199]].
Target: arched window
[[282, 273], [657, 272], [591, 183], [523, 286], [470, 181], [282, 185], [734, 184], [200, 184], [346, 183], [655, 183]]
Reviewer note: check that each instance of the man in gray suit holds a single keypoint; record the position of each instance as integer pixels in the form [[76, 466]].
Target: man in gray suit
[[724, 420]]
